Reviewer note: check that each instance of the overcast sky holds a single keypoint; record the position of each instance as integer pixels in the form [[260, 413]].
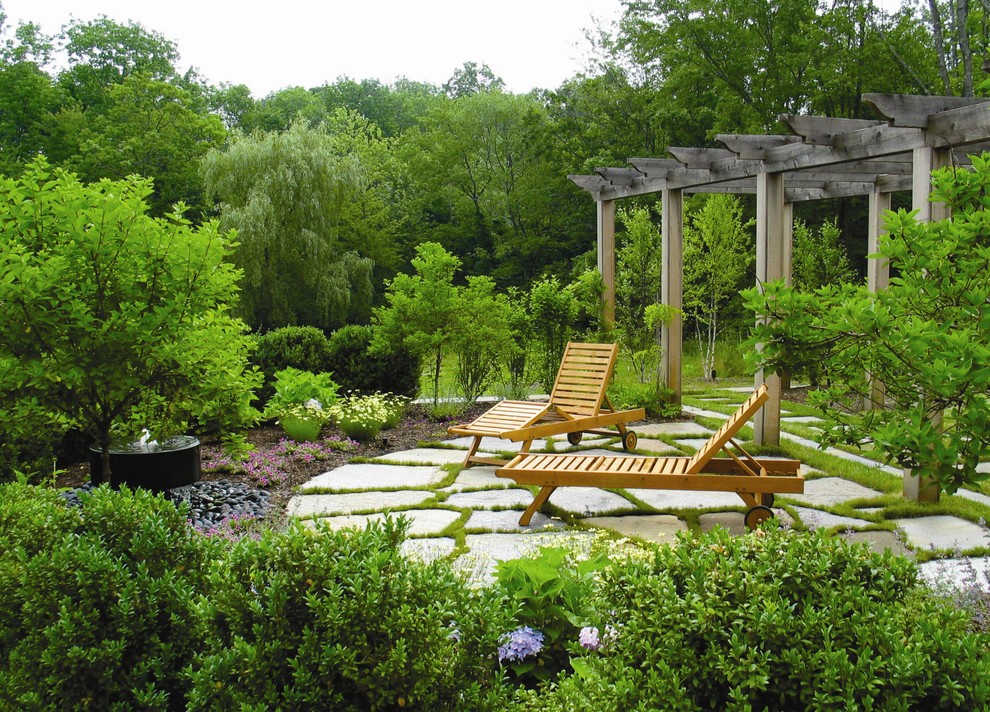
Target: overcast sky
[[270, 46]]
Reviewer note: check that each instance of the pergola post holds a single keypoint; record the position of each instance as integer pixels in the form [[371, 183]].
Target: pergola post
[[671, 287], [606, 259], [770, 251], [877, 272], [925, 160]]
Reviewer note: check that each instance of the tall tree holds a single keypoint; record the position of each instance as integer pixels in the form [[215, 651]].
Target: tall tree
[[284, 193], [102, 53], [717, 254], [154, 129]]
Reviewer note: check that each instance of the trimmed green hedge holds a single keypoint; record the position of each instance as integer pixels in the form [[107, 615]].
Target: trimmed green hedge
[[121, 605]]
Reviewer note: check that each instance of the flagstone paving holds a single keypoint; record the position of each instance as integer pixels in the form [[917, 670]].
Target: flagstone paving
[[483, 510]]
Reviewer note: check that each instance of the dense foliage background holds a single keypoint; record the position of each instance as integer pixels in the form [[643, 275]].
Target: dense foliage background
[[339, 183]]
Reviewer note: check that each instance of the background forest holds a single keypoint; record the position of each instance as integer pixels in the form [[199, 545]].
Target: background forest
[[333, 188]]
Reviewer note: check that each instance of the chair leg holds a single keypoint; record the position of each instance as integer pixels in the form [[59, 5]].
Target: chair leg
[[538, 501], [472, 451]]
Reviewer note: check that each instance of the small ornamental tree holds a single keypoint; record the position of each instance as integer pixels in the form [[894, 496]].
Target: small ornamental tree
[[422, 308], [717, 255], [926, 338], [113, 321]]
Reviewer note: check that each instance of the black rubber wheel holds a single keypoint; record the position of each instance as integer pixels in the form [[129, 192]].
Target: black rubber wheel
[[757, 515], [767, 499], [574, 438], [629, 441]]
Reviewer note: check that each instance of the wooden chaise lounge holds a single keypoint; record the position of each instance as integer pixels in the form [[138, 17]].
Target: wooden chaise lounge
[[578, 404], [754, 479]]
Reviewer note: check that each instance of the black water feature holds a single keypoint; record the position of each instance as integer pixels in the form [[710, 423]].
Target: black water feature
[[174, 462]]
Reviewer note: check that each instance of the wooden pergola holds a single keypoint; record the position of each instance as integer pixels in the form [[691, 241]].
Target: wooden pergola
[[823, 158]]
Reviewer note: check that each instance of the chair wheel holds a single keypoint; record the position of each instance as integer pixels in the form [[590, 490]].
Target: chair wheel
[[757, 515], [768, 499], [629, 441], [574, 438]]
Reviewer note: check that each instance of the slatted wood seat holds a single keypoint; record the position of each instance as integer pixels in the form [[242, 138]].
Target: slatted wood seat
[[753, 479], [578, 404]]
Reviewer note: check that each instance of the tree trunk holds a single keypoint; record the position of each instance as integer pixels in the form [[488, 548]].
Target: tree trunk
[[965, 51], [943, 66]]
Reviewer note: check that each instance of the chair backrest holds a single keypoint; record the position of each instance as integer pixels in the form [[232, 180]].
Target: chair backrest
[[585, 371], [731, 426]]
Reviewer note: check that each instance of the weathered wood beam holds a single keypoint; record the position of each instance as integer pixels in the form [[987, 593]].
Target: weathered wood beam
[[821, 130], [592, 184], [914, 111], [751, 147], [965, 125], [619, 176], [699, 157], [672, 288]]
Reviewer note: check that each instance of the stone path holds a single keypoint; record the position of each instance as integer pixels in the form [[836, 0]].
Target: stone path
[[475, 514]]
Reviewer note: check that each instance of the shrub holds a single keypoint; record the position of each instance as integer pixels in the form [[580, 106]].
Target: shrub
[[551, 593], [653, 397], [122, 320], [775, 620], [389, 368], [303, 347], [99, 601], [343, 620], [295, 387]]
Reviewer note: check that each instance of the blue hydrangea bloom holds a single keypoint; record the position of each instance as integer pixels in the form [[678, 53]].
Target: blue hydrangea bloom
[[520, 644], [589, 639]]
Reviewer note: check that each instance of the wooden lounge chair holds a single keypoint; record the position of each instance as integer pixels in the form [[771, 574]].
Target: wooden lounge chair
[[578, 404], [753, 479]]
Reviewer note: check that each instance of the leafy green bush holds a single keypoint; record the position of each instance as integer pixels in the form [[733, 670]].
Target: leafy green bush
[[774, 620], [123, 320], [651, 396], [303, 347], [552, 595], [344, 621], [388, 368], [99, 601], [295, 387]]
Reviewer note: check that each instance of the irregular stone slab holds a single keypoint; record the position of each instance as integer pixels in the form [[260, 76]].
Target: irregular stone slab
[[692, 443], [320, 505], [966, 574], [865, 461], [973, 496], [881, 541], [829, 491], [564, 446], [685, 499], [497, 444], [817, 519], [650, 527], [805, 419], [508, 521], [691, 410], [371, 476], [423, 522], [679, 428], [428, 549], [476, 478], [735, 522], [424, 456], [486, 550], [588, 501], [487, 499], [656, 447], [943, 532]]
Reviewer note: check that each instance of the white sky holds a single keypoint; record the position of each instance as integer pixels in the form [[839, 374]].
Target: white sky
[[270, 46]]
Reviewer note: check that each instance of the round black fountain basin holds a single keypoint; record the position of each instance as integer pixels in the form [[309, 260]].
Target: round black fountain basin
[[171, 463]]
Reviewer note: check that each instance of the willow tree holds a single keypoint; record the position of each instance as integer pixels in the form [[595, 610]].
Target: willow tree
[[285, 194]]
